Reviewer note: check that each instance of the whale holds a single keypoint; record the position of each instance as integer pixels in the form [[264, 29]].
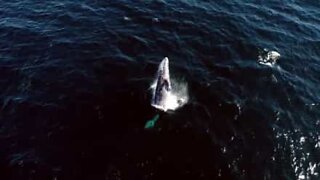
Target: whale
[[267, 57], [163, 87]]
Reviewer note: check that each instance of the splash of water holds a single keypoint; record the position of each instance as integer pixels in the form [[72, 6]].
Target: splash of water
[[268, 58], [177, 97]]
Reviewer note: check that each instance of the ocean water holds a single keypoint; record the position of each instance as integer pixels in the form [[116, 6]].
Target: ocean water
[[75, 78]]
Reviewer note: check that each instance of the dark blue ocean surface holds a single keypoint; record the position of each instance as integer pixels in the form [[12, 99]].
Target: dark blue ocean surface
[[75, 78]]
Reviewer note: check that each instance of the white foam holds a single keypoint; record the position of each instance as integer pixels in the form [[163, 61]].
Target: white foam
[[266, 63], [177, 97], [268, 58]]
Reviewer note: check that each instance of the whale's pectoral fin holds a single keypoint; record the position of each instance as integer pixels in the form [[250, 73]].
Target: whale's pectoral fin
[[152, 122]]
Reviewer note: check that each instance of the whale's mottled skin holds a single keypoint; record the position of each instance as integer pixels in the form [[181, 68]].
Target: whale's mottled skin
[[163, 86], [267, 57]]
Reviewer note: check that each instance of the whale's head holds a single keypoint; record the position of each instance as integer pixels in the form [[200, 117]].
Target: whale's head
[[164, 75], [163, 85], [267, 57]]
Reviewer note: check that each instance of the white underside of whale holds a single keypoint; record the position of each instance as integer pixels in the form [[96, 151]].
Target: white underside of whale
[[173, 96]]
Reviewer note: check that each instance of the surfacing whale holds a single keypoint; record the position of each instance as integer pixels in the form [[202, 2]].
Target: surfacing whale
[[163, 86], [168, 94], [267, 57]]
